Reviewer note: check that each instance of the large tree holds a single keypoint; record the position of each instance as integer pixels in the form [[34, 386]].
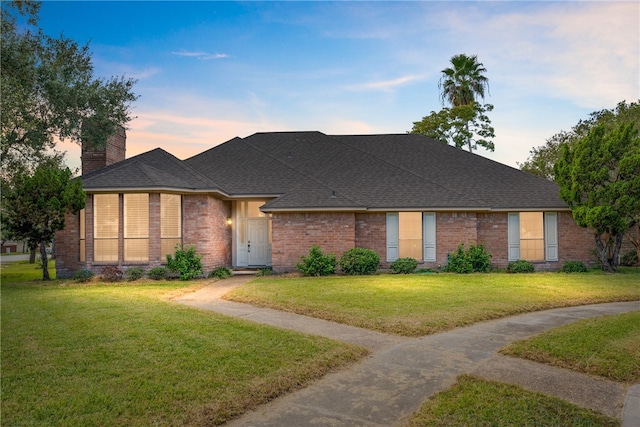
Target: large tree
[[49, 91], [542, 159], [464, 81], [34, 204], [599, 178], [463, 125]]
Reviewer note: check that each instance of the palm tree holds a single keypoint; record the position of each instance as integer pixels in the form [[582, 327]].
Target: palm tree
[[461, 83]]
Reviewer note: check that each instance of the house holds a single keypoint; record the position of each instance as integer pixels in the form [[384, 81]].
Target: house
[[264, 200]]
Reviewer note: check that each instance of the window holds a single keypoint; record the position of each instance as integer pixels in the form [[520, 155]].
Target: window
[[533, 236], [136, 227], [412, 235], [170, 222], [106, 208]]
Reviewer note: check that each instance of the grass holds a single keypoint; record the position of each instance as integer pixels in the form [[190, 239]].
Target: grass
[[122, 354], [476, 402], [418, 305], [22, 271], [608, 347]]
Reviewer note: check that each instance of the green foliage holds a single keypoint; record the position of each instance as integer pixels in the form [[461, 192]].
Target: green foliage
[[461, 83], [185, 262], [464, 125], [49, 91], [221, 273], [111, 273], [83, 276], [158, 273], [359, 261], [264, 272], [599, 178], [35, 204], [316, 263], [573, 267], [134, 273], [521, 266], [474, 259], [404, 266], [630, 258], [542, 159]]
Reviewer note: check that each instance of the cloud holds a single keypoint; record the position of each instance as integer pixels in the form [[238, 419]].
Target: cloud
[[386, 85], [200, 55]]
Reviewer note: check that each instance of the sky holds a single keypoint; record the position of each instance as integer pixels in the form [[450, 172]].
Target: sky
[[209, 71]]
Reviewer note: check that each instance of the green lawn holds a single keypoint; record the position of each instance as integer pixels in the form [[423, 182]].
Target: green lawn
[[476, 402], [415, 305], [122, 354], [607, 346]]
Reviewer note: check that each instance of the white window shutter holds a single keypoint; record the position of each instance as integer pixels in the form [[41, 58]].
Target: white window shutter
[[513, 225], [551, 236], [392, 236], [429, 235]]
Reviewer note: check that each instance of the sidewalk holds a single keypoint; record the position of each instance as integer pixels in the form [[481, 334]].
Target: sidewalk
[[387, 387]]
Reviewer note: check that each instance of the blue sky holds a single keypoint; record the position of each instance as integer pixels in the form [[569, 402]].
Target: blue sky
[[209, 71]]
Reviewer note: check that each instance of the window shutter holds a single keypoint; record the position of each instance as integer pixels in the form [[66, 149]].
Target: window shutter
[[551, 236], [429, 235], [513, 224], [392, 236]]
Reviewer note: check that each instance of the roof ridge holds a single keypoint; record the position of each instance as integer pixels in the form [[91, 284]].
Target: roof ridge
[[312, 178], [402, 167], [206, 180]]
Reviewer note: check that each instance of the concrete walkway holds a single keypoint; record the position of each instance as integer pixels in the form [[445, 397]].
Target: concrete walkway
[[388, 386]]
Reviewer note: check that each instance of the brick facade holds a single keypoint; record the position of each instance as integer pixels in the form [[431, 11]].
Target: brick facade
[[295, 233], [97, 158]]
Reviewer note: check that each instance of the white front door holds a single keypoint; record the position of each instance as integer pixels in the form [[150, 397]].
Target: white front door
[[258, 242]]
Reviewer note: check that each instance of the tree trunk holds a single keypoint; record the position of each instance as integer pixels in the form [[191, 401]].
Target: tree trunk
[[608, 259], [32, 255], [45, 261]]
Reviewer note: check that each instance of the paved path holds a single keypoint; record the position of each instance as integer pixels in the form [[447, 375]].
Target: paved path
[[388, 386]]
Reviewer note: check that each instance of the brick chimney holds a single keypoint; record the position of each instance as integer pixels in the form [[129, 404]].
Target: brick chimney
[[113, 152]]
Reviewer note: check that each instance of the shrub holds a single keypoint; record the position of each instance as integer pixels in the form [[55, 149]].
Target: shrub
[[317, 264], [134, 273], [264, 272], [221, 273], [111, 273], [158, 273], [630, 258], [474, 259], [404, 266], [185, 262], [359, 261], [521, 266], [573, 267], [83, 276]]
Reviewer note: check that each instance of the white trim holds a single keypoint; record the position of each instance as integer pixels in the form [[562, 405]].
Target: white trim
[[392, 236], [513, 232], [429, 236], [551, 236]]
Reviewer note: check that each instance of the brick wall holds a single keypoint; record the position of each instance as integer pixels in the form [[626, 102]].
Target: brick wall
[[204, 225], [293, 234], [67, 247], [371, 233], [575, 243], [493, 234]]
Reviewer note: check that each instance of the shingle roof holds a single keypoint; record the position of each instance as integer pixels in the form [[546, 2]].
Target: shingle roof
[[311, 170]]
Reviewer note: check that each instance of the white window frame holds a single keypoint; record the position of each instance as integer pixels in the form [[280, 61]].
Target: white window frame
[[428, 236], [550, 224]]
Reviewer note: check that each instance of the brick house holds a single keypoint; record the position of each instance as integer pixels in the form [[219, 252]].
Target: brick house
[[264, 200]]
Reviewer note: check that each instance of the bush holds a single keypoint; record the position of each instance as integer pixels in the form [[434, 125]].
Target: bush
[[264, 272], [221, 273], [158, 273], [83, 276], [185, 262], [359, 261], [134, 273], [317, 264], [573, 267], [629, 259], [111, 273], [404, 266], [521, 266], [475, 259]]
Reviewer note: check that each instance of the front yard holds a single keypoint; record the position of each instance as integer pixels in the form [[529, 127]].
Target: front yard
[[124, 354]]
